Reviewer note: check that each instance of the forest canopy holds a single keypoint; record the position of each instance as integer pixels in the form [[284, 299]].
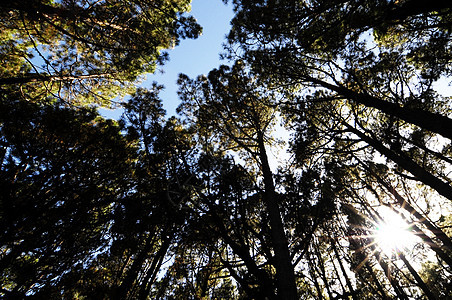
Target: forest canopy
[[87, 51], [314, 164]]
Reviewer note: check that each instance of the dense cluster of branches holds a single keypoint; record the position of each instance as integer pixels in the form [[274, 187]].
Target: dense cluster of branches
[[151, 207], [86, 51]]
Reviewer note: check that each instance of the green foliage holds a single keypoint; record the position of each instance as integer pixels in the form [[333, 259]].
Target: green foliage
[[437, 280], [163, 208], [87, 52], [229, 107], [357, 71], [62, 173]]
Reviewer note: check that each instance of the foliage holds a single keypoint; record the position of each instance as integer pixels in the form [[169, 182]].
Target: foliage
[[62, 175], [87, 52], [156, 207]]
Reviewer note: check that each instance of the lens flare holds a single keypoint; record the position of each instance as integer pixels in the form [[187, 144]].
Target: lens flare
[[393, 234]]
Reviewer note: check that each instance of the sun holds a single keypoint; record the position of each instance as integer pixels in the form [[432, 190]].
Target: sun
[[393, 233]]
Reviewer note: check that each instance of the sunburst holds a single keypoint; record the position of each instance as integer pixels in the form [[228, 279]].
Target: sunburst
[[393, 234]]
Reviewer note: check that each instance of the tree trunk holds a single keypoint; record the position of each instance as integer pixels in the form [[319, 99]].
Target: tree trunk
[[287, 288], [433, 122], [314, 278], [137, 264], [321, 267], [265, 283], [418, 278], [376, 281], [157, 262], [399, 291], [405, 162], [344, 273]]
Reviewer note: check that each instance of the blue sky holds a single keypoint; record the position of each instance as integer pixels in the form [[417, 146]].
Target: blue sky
[[191, 57], [195, 57]]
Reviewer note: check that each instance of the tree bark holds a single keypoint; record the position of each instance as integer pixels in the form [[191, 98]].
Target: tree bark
[[287, 288]]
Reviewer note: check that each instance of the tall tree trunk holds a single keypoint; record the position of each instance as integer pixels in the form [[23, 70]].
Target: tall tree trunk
[[265, 286], [338, 276], [157, 262], [376, 281], [137, 264], [314, 278], [344, 273], [321, 267], [287, 288], [387, 270]]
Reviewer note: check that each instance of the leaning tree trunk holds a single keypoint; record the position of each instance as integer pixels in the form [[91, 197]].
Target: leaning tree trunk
[[406, 163], [433, 122], [387, 270], [344, 273], [418, 278]]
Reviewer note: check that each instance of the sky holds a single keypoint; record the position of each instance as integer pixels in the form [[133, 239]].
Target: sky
[[191, 57], [195, 57]]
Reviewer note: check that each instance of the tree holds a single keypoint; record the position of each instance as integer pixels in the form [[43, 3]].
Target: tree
[[236, 111], [242, 121], [339, 60], [151, 222], [87, 51], [92, 207], [63, 173], [194, 207], [363, 78]]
